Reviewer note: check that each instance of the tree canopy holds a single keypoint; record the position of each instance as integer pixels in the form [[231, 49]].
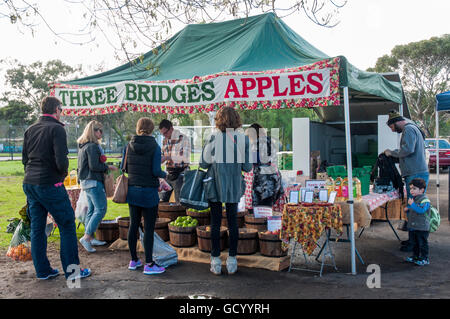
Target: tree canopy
[[424, 67], [29, 83], [130, 25]]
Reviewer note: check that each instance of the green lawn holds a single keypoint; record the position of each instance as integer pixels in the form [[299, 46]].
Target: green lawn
[[12, 199]]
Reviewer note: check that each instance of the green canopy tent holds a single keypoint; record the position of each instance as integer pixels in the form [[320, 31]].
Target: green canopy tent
[[252, 63]]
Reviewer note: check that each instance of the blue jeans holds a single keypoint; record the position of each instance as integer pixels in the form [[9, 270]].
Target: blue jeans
[[97, 205], [43, 199]]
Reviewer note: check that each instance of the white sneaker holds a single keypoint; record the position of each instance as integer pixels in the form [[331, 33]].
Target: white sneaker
[[96, 242], [231, 265], [87, 245], [216, 265]]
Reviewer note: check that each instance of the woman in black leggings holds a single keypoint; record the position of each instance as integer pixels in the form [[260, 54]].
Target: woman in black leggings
[[216, 220], [136, 214], [142, 162]]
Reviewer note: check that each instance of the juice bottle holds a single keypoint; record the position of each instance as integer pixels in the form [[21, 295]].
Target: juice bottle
[[357, 188], [67, 181], [345, 188], [338, 188], [73, 177], [329, 185]]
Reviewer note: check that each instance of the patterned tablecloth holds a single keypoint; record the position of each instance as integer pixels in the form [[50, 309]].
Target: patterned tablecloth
[[307, 222], [375, 200]]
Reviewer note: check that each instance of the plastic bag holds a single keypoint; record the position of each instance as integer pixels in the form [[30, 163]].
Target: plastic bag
[[19, 247], [82, 207], [11, 228], [163, 254]]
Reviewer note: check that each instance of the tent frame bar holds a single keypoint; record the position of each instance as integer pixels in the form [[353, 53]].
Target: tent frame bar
[[350, 177]]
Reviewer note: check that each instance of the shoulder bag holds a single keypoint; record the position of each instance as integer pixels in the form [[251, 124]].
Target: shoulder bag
[[121, 191]]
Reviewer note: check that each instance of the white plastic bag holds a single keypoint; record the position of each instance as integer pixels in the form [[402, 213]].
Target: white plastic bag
[[82, 207], [241, 204], [163, 254]]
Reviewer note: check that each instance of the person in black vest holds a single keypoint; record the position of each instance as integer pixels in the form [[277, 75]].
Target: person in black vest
[[44, 157], [143, 165]]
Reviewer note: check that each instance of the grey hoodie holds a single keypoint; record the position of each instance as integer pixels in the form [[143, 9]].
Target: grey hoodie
[[411, 155]]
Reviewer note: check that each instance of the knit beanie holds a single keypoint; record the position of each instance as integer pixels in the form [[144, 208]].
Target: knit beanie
[[394, 116]]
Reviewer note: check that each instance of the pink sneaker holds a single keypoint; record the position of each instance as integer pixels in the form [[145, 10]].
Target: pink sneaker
[[152, 269]]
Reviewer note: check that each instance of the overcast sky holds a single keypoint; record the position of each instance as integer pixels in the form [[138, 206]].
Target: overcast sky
[[368, 29]]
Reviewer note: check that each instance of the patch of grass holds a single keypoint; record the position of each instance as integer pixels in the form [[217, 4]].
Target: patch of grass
[[12, 199]]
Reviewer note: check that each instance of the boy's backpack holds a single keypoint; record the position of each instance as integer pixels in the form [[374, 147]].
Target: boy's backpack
[[435, 219], [433, 216]]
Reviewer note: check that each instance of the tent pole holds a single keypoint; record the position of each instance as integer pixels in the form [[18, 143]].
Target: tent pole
[[350, 176], [437, 157]]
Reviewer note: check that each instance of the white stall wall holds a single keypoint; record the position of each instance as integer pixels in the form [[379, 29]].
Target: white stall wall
[[300, 145], [386, 138]]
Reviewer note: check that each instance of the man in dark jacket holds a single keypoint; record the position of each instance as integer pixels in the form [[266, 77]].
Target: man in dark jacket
[[44, 157]]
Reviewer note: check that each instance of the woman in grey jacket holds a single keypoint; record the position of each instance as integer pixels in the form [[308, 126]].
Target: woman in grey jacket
[[225, 157], [91, 170]]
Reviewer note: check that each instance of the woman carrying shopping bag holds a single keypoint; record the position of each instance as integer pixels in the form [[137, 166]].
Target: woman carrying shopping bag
[[143, 165], [225, 157], [91, 175]]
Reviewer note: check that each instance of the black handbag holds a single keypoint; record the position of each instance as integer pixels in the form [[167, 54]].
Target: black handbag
[[192, 194]]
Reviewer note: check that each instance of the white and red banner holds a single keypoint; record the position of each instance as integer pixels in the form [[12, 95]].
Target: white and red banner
[[308, 86]]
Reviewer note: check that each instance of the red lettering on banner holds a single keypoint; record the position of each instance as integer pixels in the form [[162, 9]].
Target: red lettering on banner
[[317, 84], [296, 84], [262, 87], [247, 84], [232, 88], [276, 86]]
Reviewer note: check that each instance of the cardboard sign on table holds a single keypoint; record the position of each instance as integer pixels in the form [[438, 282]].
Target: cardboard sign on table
[[262, 211], [323, 195], [309, 196], [293, 197], [273, 223], [332, 197], [315, 182]]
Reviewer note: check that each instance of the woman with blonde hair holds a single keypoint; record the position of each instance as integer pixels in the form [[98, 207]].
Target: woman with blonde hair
[[225, 156], [91, 171], [143, 165]]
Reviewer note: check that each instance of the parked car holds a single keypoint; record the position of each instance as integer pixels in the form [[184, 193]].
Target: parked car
[[444, 153]]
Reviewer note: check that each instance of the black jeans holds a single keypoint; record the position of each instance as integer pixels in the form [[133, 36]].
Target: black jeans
[[420, 243], [216, 220], [136, 214]]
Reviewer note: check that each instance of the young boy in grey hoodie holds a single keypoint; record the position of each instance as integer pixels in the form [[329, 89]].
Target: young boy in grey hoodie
[[418, 222]]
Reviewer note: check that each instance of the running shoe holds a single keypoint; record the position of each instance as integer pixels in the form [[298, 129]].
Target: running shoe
[[134, 265], [53, 273], [153, 268]]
